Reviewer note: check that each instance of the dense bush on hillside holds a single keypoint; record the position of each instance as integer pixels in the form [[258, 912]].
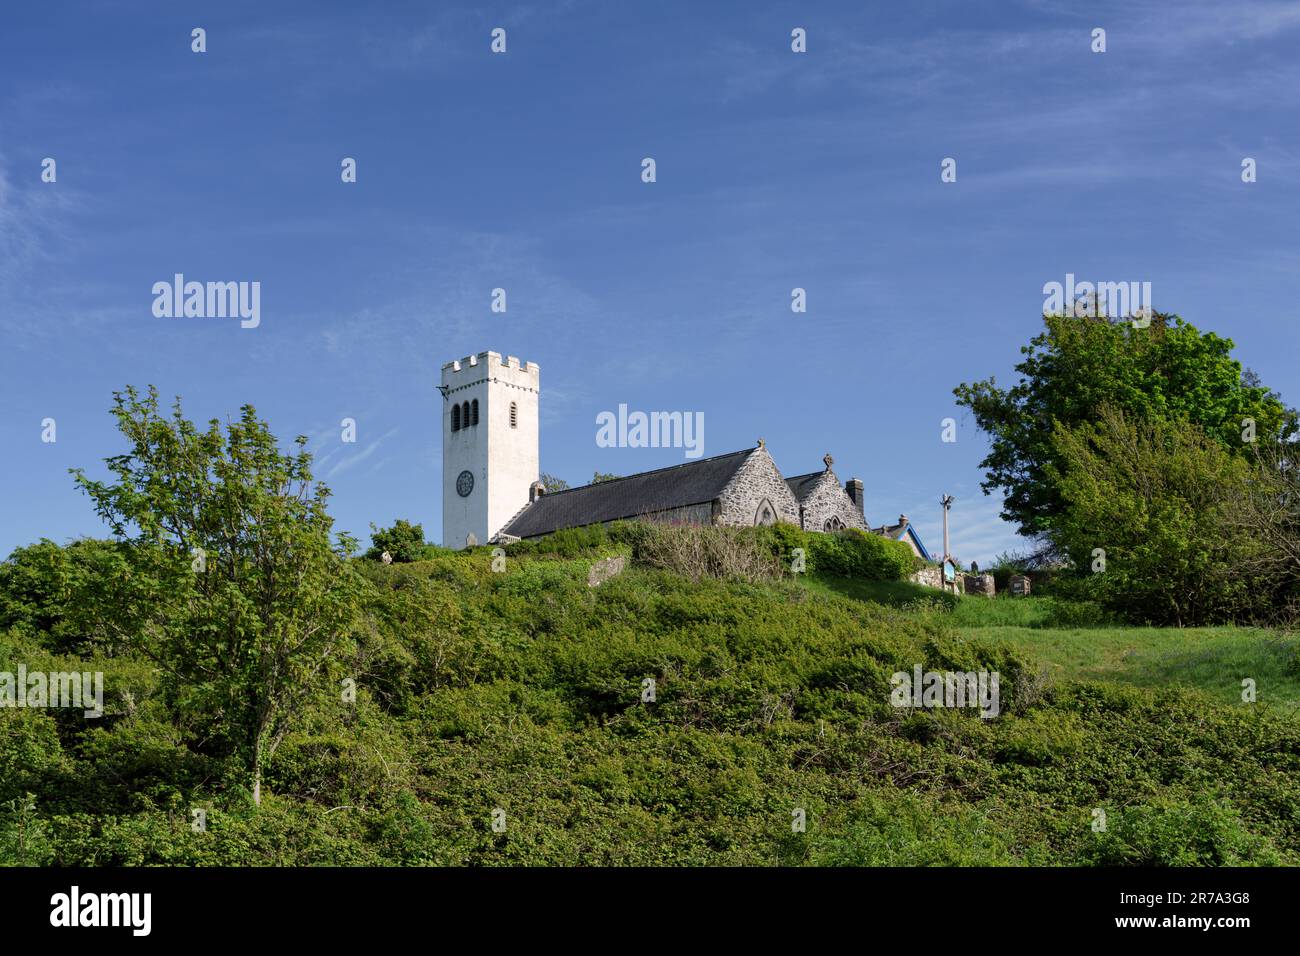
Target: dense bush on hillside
[[522, 690], [1148, 442], [1148, 519], [402, 542], [748, 554]]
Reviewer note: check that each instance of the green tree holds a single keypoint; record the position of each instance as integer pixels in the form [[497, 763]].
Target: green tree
[[233, 586], [1269, 512], [42, 588], [600, 476], [1169, 370], [403, 541], [551, 483], [1148, 509], [23, 840]]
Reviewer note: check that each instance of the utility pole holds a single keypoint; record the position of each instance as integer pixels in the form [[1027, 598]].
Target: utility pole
[[946, 501]]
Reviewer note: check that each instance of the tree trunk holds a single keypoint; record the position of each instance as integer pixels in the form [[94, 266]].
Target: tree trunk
[[257, 772]]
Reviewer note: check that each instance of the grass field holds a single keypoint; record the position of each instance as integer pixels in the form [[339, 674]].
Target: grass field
[[1212, 659]]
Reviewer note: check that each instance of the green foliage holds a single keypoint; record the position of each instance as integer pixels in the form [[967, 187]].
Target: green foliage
[[232, 585], [1186, 832], [726, 552], [856, 554], [23, 839], [1169, 371], [552, 483], [483, 685], [45, 586], [1154, 495], [403, 541], [522, 689], [844, 554], [571, 542], [600, 476]]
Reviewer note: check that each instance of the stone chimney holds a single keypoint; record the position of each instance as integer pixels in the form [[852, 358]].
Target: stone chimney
[[535, 491], [902, 519], [853, 487]]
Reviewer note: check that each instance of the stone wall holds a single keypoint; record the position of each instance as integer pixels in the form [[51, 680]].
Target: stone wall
[[757, 479], [979, 584], [604, 569], [931, 576], [826, 499]]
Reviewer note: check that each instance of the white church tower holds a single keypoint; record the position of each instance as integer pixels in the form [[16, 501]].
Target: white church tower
[[489, 444]]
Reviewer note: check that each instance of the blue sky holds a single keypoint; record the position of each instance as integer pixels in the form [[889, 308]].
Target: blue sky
[[775, 170]]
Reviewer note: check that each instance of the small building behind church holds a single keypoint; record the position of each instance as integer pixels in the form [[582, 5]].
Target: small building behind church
[[903, 531]]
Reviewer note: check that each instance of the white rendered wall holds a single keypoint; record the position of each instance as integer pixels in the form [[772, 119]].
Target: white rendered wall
[[503, 460]]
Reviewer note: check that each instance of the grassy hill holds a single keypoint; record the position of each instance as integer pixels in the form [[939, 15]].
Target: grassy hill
[[1074, 643], [522, 691]]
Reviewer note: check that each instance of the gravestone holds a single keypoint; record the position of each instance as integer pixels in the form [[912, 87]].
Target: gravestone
[[605, 569], [1018, 585]]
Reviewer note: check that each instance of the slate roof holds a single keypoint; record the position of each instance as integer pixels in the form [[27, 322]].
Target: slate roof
[[802, 485], [691, 483]]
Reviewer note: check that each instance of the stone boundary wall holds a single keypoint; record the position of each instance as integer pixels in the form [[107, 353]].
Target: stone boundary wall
[[931, 576]]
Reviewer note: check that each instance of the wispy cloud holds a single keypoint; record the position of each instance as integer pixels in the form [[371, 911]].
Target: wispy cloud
[[358, 457], [31, 225]]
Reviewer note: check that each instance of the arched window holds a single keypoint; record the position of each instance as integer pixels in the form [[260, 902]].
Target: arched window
[[473, 412], [464, 415], [455, 418], [514, 415], [766, 514], [833, 523]]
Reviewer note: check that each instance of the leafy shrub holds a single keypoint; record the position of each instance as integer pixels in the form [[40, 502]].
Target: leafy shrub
[[566, 543], [523, 689], [850, 554], [1196, 832], [44, 588], [403, 542], [1156, 496]]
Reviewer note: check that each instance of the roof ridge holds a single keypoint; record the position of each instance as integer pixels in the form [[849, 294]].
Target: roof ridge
[[652, 471]]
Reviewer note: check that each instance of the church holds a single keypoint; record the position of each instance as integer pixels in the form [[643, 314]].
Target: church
[[491, 466]]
